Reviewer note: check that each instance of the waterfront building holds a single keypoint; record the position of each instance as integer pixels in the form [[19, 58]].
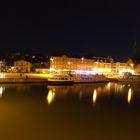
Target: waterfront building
[[41, 70], [40, 64], [127, 66], [102, 67], [2, 66], [65, 63], [137, 68], [22, 66], [95, 65]]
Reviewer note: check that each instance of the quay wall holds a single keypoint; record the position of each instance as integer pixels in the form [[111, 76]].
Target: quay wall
[[25, 75], [24, 78]]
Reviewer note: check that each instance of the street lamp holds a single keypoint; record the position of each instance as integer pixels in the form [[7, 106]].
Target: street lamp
[[82, 59]]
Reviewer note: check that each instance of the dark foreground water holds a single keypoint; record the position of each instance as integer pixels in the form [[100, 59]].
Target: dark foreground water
[[81, 112]]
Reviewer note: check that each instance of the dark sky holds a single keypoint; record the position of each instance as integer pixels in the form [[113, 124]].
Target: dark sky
[[80, 28]]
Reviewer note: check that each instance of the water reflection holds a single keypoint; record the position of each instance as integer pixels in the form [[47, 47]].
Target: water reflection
[[94, 96], [102, 90], [108, 86], [38, 111], [129, 97], [1, 91], [51, 96]]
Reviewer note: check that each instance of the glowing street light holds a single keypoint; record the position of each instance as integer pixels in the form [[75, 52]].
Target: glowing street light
[[51, 59], [82, 59]]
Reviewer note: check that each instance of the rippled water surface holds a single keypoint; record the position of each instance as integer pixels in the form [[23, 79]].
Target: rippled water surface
[[107, 111]]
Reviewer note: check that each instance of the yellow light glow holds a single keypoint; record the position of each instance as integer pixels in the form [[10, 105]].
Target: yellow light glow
[[50, 97], [1, 75], [12, 68], [131, 65], [126, 70], [96, 62], [52, 69], [108, 85], [94, 97], [1, 91], [101, 70], [51, 59], [129, 97], [82, 59], [59, 70]]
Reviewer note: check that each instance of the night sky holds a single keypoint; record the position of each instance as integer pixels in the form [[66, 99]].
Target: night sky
[[78, 28]]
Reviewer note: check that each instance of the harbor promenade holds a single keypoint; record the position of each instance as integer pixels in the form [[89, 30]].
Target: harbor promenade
[[43, 78], [23, 78]]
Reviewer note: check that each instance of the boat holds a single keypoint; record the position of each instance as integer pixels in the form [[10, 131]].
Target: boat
[[61, 79], [69, 79], [131, 78], [90, 78]]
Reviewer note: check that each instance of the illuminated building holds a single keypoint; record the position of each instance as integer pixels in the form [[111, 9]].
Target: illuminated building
[[41, 70], [40, 64], [65, 63], [22, 66], [127, 66], [137, 68], [95, 65], [2, 65]]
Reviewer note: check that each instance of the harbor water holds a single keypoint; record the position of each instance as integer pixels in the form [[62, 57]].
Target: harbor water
[[98, 111]]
